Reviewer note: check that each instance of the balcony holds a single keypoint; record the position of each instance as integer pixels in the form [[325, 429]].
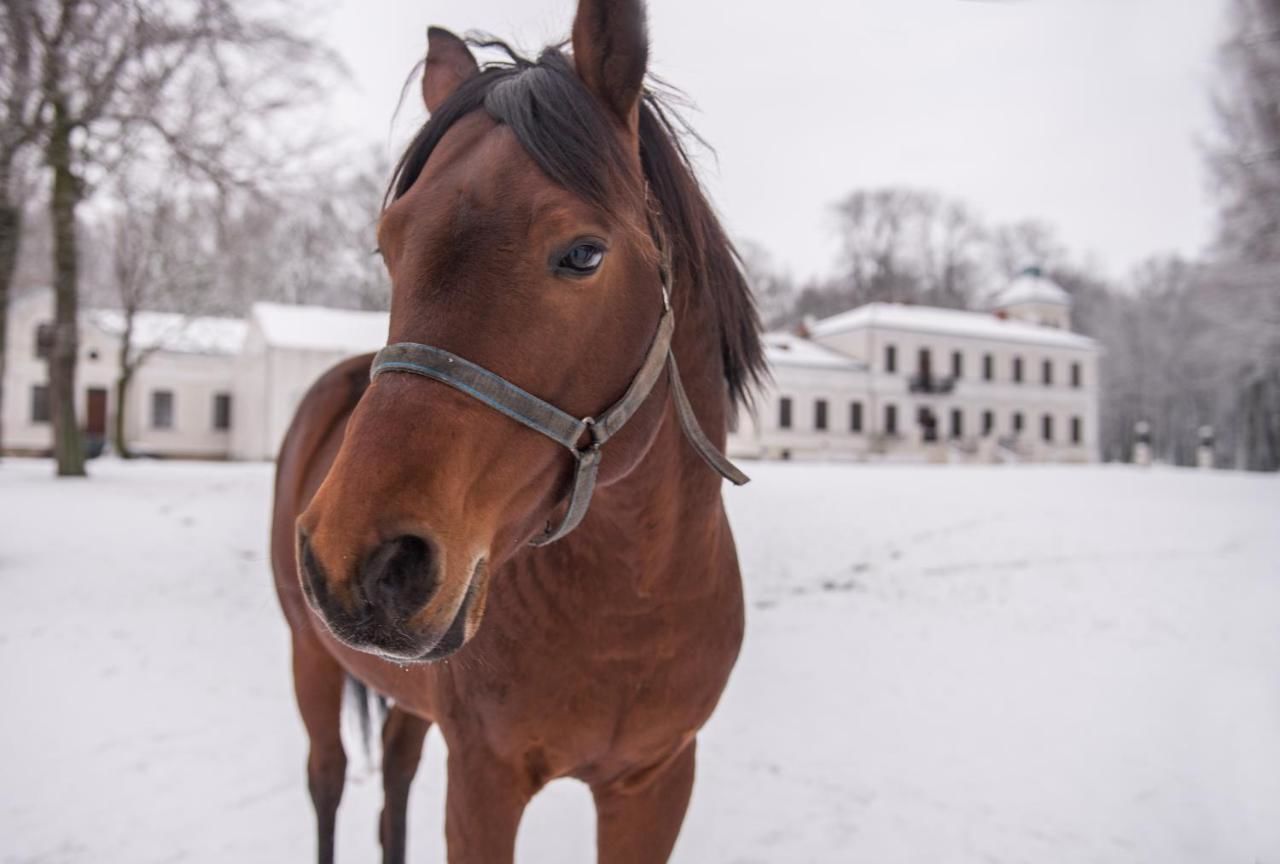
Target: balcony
[[931, 385]]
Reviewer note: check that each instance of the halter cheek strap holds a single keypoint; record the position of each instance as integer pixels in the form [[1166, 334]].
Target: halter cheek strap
[[563, 428]]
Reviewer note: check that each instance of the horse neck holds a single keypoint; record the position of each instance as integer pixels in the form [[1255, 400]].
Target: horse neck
[[667, 511]]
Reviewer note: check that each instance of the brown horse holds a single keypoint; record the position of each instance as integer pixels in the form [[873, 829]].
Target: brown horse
[[532, 227]]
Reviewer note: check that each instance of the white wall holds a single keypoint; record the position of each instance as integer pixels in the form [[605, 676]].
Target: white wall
[[273, 380], [24, 370], [249, 434], [760, 434], [973, 394], [193, 379]]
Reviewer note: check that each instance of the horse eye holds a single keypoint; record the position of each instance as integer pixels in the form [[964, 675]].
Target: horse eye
[[583, 259]]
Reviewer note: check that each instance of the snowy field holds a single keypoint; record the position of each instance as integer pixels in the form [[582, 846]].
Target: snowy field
[[942, 665]]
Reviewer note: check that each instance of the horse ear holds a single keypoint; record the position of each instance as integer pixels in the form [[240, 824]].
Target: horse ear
[[611, 51], [449, 63]]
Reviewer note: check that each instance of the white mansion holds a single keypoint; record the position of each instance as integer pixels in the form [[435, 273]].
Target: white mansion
[[888, 380], [879, 381]]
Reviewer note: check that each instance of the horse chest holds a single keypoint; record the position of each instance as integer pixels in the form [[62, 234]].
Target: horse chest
[[614, 686]]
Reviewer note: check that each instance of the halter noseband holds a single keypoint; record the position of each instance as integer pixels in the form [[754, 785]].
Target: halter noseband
[[563, 428]]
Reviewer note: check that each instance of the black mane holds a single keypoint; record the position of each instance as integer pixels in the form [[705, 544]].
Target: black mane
[[559, 123]]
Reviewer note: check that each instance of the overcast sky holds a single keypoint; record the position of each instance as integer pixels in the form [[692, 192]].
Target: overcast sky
[[1088, 114]]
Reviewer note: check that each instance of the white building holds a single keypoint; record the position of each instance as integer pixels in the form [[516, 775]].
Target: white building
[[210, 388], [918, 382], [285, 350], [180, 400]]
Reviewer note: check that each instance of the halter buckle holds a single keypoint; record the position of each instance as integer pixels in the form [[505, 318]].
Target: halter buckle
[[590, 451]]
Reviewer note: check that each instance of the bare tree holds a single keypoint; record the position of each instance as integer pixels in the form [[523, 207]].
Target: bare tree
[[312, 244], [1246, 162], [155, 263], [774, 291], [951, 244], [1024, 244], [128, 80], [911, 245], [874, 226]]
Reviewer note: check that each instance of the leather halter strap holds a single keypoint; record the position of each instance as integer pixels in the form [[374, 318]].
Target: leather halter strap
[[563, 428]]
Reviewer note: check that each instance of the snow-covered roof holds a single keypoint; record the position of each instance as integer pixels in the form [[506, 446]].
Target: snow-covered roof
[[171, 331], [948, 322], [319, 328], [788, 349], [1031, 286]]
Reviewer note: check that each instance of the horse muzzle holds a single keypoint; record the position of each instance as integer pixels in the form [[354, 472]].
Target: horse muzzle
[[398, 602]]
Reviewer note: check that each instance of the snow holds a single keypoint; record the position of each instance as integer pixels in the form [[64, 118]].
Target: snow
[[948, 322], [787, 349], [171, 331], [321, 328], [959, 664]]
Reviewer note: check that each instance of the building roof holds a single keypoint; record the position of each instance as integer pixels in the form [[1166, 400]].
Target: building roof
[[320, 328], [948, 322], [788, 349], [166, 331], [171, 331], [1031, 286]]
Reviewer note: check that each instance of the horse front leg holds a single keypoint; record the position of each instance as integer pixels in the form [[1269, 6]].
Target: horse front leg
[[485, 801], [638, 816], [318, 683], [402, 736]]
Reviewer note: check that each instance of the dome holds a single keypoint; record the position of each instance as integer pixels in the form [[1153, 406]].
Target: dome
[[1032, 286]]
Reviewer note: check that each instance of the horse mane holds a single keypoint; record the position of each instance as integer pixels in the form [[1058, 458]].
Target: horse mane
[[562, 127]]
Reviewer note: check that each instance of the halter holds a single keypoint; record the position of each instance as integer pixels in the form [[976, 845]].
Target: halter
[[560, 426]]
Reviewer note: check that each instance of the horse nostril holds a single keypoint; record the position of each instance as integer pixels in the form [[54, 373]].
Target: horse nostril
[[313, 576], [399, 576]]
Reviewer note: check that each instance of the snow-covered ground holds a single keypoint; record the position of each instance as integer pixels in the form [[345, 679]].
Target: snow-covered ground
[[942, 665]]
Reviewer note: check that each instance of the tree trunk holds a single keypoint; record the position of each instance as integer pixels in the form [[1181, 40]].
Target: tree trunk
[[10, 234], [123, 379], [68, 444], [119, 437]]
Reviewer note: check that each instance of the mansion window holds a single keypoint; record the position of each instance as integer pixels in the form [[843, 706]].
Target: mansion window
[[891, 419], [1017, 422], [40, 412], [221, 411], [44, 341], [891, 358], [820, 415], [1075, 375], [855, 416], [1046, 372], [1017, 370], [988, 422], [1075, 430], [957, 423], [1046, 428], [988, 367], [957, 365], [161, 409], [784, 413]]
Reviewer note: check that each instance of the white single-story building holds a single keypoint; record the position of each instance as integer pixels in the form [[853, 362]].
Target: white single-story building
[[917, 382], [209, 388], [285, 350], [179, 401]]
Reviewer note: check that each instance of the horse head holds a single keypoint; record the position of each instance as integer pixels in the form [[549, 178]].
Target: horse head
[[519, 240]]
